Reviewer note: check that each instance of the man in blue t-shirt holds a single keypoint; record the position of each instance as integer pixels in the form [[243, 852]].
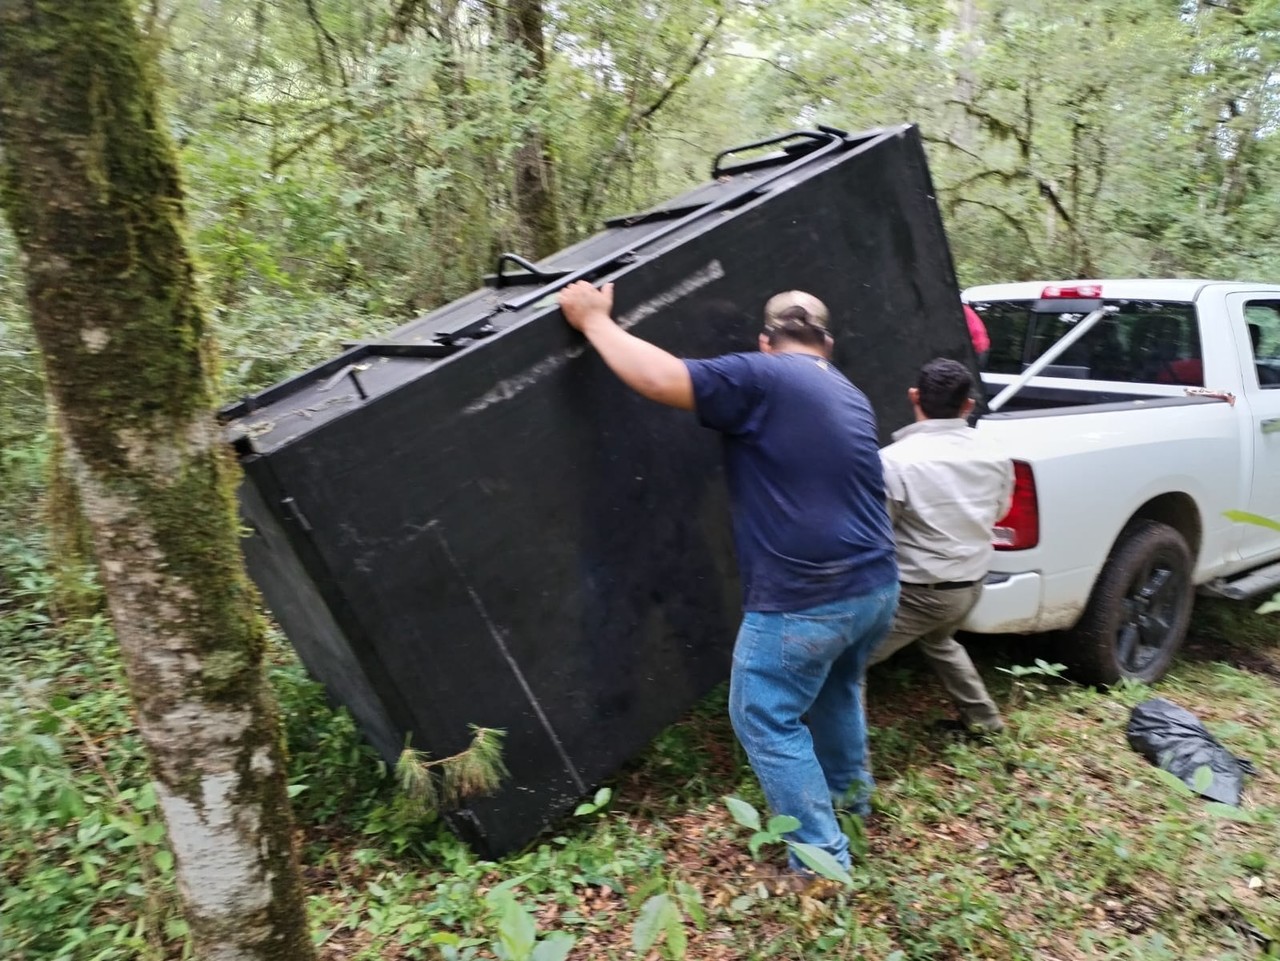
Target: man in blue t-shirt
[[814, 543]]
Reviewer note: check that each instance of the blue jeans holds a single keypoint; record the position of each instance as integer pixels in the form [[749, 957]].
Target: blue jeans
[[809, 662]]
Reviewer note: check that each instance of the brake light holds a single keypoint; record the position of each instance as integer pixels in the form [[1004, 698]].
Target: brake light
[[1075, 292], [1019, 529]]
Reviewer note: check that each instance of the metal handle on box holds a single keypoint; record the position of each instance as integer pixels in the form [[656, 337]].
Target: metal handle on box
[[525, 265], [822, 135]]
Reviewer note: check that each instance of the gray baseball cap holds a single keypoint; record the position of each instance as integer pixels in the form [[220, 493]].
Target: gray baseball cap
[[781, 311]]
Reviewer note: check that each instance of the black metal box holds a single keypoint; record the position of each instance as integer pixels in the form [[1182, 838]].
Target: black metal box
[[474, 522]]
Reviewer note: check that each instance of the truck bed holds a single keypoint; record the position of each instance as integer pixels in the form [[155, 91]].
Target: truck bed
[[1050, 396]]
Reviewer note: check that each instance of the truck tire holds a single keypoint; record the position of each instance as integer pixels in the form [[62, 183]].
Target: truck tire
[[1139, 610]]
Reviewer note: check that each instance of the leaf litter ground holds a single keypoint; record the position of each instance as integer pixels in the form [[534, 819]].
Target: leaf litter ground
[[1054, 842]]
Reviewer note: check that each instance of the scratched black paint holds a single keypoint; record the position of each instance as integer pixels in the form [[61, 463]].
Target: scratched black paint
[[507, 537]]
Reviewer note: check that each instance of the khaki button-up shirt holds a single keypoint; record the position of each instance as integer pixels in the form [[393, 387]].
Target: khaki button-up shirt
[[946, 488]]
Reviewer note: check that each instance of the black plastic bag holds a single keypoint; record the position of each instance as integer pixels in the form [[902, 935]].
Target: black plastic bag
[[1172, 738]]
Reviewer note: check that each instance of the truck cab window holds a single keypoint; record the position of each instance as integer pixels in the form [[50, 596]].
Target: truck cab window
[[1145, 343], [1262, 320]]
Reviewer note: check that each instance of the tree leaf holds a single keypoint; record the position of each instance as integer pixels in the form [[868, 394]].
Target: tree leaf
[[743, 812], [649, 923], [823, 862]]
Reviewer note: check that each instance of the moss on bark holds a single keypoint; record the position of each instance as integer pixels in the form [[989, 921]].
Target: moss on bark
[[90, 184], [69, 538]]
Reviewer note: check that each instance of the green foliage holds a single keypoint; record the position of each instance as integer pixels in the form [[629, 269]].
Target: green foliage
[[1245, 517], [1041, 668], [1029, 679], [444, 782], [518, 932], [599, 801], [666, 906], [815, 859], [87, 873]]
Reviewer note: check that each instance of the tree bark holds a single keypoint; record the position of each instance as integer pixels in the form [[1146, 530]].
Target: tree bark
[[89, 182], [535, 182], [69, 539]]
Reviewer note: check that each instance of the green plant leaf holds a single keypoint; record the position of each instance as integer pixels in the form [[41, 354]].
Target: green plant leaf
[[603, 797], [516, 930], [1175, 782], [856, 832], [1202, 780], [649, 923], [823, 862], [782, 824], [586, 807], [743, 813], [691, 900], [677, 940], [1220, 810], [1271, 606], [1245, 517], [505, 888], [554, 947], [758, 840], [652, 886]]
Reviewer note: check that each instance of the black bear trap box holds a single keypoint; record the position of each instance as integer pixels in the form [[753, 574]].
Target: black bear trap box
[[473, 522]]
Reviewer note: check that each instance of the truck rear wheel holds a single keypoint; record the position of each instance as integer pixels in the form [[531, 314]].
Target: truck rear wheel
[[1139, 610]]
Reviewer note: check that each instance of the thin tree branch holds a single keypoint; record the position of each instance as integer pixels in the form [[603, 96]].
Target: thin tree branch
[[681, 80], [1011, 220], [603, 168], [277, 162], [798, 78], [314, 16], [949, 142]]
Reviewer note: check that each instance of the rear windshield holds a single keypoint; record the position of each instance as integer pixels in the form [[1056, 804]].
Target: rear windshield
[[1149, 342]]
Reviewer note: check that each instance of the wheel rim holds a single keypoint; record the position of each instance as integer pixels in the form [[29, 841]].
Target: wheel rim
[[1150, 612]]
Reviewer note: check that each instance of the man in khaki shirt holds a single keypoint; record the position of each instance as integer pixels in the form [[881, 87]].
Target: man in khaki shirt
[[946, 489]]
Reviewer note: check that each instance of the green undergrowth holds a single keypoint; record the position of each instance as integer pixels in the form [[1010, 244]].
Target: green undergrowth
[[1055, 841]]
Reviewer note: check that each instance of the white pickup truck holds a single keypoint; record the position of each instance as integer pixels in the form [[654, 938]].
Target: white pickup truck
[[1137, 413]]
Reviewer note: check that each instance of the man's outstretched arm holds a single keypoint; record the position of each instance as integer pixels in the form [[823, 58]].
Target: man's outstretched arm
[[644, 367]]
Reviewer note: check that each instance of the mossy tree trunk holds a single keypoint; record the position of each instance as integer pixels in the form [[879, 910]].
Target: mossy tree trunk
[[69, 538], [535, 179], [89, 181]]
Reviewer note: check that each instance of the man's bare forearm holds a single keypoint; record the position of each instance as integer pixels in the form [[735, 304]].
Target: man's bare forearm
[[644, 367]]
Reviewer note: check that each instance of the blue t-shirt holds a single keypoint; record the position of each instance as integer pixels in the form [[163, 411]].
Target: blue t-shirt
[[803, 468]]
